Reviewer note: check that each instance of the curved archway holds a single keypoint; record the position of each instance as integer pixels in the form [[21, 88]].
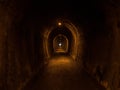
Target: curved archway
[[69, 30], [60, 44], [56, 32]]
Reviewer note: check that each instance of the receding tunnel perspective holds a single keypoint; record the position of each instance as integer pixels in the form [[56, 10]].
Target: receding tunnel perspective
[[59, 44], [63, 37]]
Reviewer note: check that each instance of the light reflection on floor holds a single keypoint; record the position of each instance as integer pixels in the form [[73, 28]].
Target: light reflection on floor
[[59, 73], [61, 63], [63, 73]]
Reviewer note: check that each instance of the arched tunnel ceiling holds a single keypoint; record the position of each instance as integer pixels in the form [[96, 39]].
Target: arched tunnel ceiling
[[22, 27], [67, 29]]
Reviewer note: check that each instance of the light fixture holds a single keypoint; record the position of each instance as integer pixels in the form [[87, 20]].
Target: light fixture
[[60, 44], [59, 23]]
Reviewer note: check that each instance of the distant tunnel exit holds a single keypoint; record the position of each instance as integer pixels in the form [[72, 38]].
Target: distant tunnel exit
[[62, 37], [60, 44]]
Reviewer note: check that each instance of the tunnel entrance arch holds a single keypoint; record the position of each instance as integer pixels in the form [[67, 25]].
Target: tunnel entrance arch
[[66, 28]]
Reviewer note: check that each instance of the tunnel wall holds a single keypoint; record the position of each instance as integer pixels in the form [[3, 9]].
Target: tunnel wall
[[15, 68], [4, 25], [103, 46]]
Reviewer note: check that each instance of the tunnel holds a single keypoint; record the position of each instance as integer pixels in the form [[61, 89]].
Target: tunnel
[[59, 45], [62, 39]]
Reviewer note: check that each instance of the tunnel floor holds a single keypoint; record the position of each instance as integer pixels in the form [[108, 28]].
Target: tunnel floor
[[63, 73]]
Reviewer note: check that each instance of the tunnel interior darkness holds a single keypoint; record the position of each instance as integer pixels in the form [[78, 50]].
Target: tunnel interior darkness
[[22, 42], [56, 32]]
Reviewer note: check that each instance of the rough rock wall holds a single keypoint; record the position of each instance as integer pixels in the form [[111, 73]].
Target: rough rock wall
[[104, 47]]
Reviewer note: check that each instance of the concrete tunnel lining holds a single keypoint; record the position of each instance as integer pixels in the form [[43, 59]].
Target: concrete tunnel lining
[[60, 44], [56, 32], [76, 41]]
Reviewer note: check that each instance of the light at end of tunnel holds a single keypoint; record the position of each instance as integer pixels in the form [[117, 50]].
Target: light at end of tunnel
[[59, 23], [60, 44]]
